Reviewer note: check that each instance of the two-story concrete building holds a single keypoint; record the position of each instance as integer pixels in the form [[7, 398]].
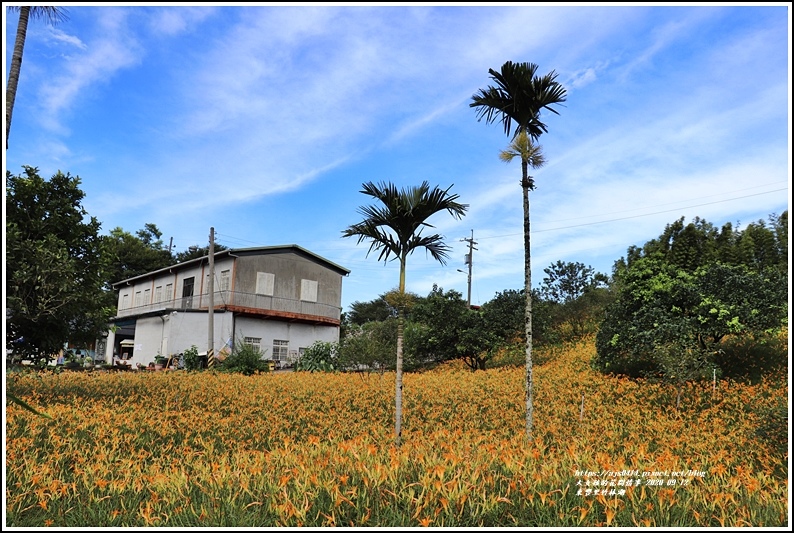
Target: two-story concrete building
[[280, 299]]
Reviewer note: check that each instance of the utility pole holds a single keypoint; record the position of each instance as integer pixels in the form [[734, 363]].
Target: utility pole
[[211, 302], [469, 261]]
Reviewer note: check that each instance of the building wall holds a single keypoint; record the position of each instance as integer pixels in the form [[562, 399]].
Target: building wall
[[298, 335], [172, 297], [176, 332], [289, 269]]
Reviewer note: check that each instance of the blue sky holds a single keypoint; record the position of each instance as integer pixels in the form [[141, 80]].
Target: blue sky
[[263, 122]]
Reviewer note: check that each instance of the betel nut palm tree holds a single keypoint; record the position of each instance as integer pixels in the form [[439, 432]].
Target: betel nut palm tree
[[516, 99], [51, 14], [394, 228]]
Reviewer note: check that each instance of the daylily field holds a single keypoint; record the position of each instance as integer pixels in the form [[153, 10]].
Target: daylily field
[[208, 449]]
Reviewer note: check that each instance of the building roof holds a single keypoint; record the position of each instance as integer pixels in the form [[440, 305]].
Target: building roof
[[260, 250]]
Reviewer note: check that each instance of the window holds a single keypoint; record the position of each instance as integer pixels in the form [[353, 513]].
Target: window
[[187, 292], [280, 350], [308, 290], [147, 296], [225, 278], [138, 299], [169, 291], [125, 301], [158, 294], [264, 283], [253, 342]]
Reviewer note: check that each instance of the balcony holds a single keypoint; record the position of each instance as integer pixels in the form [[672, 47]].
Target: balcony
[[245, 303]]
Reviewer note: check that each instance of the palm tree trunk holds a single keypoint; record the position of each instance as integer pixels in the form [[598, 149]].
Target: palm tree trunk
[[398, 397], [525, 186], [16, 65], [398, 392]]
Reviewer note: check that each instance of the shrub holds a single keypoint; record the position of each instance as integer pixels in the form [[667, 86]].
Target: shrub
[[191, 358], [245, 359], [319, 357]]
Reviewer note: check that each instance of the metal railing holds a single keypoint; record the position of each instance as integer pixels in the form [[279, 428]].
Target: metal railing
[[238, 299]]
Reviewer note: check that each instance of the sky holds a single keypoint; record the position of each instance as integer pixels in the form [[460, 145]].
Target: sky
[[263, 122]]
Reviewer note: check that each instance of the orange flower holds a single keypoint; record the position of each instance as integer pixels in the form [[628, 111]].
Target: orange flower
[[610, 515]]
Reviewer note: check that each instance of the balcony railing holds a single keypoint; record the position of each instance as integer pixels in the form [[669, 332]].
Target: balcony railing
[[238, 300]]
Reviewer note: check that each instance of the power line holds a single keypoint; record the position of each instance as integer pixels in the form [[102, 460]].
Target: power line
[[678, 202], [634, 216], [229, 238]]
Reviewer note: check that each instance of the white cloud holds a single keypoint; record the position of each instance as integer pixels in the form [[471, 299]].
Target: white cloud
[[63, 37], [172, 21]]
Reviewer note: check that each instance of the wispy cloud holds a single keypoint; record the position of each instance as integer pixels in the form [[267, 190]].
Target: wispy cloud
[[171, 21], [63, 37], [266, 120], [110, 51]]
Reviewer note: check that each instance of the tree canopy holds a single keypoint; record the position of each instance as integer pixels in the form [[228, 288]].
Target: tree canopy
[[133, 255], [680, 295], [56, 271]]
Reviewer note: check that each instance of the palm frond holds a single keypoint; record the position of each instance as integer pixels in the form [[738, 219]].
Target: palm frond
[[518, 97], [395, 225]]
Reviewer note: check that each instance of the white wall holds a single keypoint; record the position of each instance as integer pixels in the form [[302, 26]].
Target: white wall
[[298, 335], [175, 332]]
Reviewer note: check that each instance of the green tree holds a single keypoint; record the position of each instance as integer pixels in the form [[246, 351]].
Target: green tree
[[395, 228], [566, 282], [55, 269], [504, 315], [133, 255], [668, 321], [373, 311], [504, 319], [371, 346], [194, 252], [443, 314], [518, 96], [53, 15], [576, 292]]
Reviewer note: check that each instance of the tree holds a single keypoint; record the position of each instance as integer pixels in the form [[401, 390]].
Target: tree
[[565, 282], [375, 310], [670, 322], [371, 345], [395, 228], [519, 96], [450, 329], [576, 291], [55, 268], [132, 255], [194, 252], [53, 15]]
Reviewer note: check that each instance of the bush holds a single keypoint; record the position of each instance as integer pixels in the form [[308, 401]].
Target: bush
[[191, 358], [319, 357], [245, 359]]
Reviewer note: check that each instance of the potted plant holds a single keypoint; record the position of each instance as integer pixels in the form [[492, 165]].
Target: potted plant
[[159, 362]]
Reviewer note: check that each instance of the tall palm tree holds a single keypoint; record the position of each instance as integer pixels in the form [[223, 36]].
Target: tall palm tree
[[395, 228], [53, 15], [531, 156], [518, 96]]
